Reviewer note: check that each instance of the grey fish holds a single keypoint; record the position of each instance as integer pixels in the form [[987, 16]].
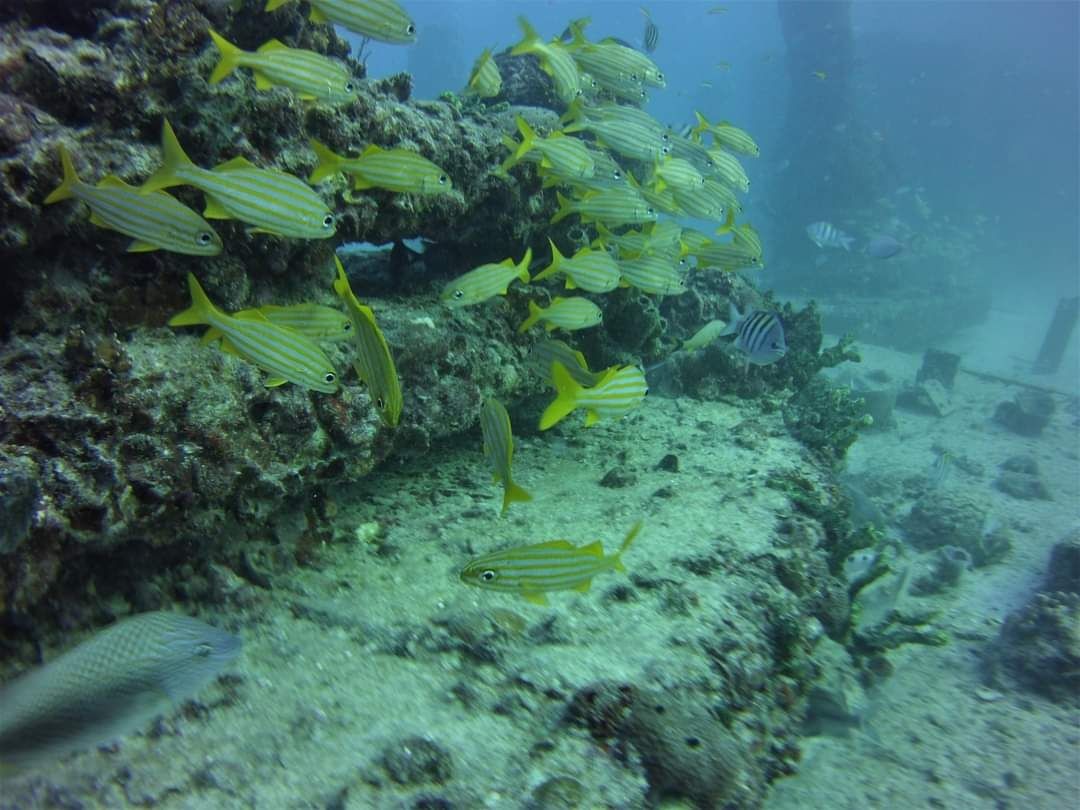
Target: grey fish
[[883, 246], [113, 683], [759, 335], [825, 234], [651, 37]]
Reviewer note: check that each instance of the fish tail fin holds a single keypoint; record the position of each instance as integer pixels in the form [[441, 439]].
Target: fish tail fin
[[630, 537], [174, 158], [702, 125], [565, 209], [534, 315], [733, 320], [512, 493], [574, 114], [553, 268], [847, 242], [199, 311], [566, 399], [329, 162], [530, 38], [66, 189], [273, 4], [230, 57], [729, 223], [523, 266], [528, 138]]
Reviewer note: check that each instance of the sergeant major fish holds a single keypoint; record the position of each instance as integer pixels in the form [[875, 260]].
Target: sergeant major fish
[[825, 234], [759, 335], [499, 448], [533, 571], [155, 220]]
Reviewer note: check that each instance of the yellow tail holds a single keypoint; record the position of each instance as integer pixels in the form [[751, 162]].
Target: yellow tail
[[66, 189], [630, 536], [523, 266], [513, 493], [534, 315], [329, 162], [564, 208], [173, 159], [565, 401], [528, 138], [557, 260], [230, 57], [201, 308], [530, 38], [272, 4]]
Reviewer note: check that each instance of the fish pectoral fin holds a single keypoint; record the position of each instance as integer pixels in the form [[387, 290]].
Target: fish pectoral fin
[[274, 382], [142, 246], [536, 597], [214, 210]]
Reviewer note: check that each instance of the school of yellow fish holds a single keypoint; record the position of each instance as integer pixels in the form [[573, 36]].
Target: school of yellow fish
[[615, 168]]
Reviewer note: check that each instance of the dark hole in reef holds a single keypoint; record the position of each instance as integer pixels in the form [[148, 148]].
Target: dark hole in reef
[[660, 709], [693, 742]]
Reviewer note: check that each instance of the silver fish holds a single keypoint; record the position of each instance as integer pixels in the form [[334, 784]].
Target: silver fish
[[825, 234]]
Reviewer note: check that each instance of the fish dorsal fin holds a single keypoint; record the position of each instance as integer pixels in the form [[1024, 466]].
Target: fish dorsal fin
[[594, 549], [214, 210], [272, 45], [251, 315], [239, 162], [112, 181], [560, 544]]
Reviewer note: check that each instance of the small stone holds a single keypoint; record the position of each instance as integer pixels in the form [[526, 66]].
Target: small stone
[[616, 478], [988, 695], [669, 463], [1027, 414], [416, 760]]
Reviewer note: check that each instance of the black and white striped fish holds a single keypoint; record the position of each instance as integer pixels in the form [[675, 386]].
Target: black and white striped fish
[[759, 335], [825, 234], [651, 38]]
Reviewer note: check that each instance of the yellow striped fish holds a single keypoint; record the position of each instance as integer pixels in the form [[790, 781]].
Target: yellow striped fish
[[654, 273], [400, 170], [564, 313], [155, 221], [382, 20], [727, 135], [549, 351], [676, 173], [485, 281], [554, 59], [568, 156], [728, 168], [700, 204], [311, 75], [747, 237], [609, 57], [310, 320], [627, 130], [485, 80], [374, 364], [613, 206], [620, 390], [727, 256], [499, 447], [285, 355], [270, 200], [533, 571], [592, 270]]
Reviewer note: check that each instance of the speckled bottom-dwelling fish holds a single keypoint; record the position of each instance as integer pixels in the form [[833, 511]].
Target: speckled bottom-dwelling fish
[[382, 20], [533, 571], [499, 448], [155, 221], [485, 281], [269, 200], [374, 363], [284, 354], [564, 313], [619, 391], [309, 74], [400, 170], [112, 684]]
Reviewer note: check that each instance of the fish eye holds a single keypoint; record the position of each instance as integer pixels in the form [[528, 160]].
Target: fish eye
[[329, 377], [328, 221], [616, 175], [459, 294], [487, 575], [348, 325], [660, 76], [443, 179], [380, 403], [350, 87], [665, 138], [650, 211], [410, 29], [204, 238]]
